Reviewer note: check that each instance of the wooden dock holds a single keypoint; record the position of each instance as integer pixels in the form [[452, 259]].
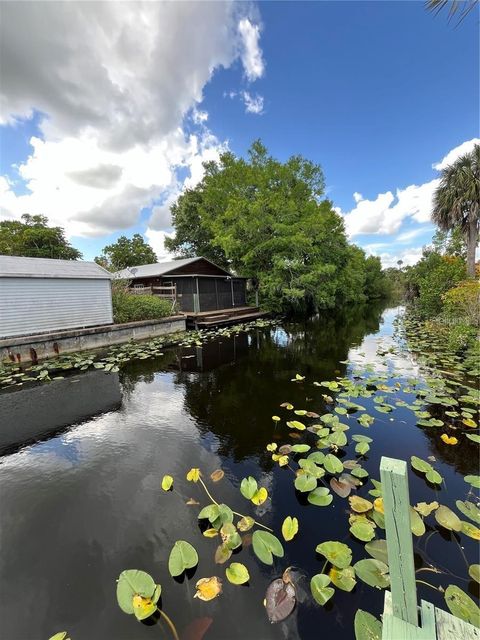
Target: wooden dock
[[233, 315], [402, 618]]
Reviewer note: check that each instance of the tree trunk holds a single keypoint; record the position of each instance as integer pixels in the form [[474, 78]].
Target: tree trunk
[[472, 241]]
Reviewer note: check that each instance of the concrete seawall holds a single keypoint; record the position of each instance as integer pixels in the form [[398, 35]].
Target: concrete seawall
[[47, 345]]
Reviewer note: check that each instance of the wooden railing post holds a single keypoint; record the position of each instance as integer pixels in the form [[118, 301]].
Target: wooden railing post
[[396, 503]]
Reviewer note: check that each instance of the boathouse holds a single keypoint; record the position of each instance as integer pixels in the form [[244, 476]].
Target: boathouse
[[197, 285], [39, 295]]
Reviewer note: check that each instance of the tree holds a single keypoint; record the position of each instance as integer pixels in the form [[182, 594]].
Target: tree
[[456, 201], [126, 252], [457, 7], [266, 220], [33, 238]]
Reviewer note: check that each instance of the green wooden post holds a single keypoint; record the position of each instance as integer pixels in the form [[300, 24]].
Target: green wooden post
[[396, 502]]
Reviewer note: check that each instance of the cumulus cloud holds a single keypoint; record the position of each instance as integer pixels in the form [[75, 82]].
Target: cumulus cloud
[[113, 83], [253, 104], [252, 57], [385, 214]]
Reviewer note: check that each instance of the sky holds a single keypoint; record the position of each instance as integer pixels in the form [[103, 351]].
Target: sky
[[109, 109]]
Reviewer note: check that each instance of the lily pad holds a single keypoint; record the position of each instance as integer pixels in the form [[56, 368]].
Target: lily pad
[[447, 519], [474, 572], [182, 556], [305, 482], [320, 497], [332, 464], [280, 600], [237, 573], [363, 530], [167, 483], [248, 487], [266, 545], [360, 505], [133, 583], [469, 509], [337, 553], [367, 627], [343, 578], [473, 480], [461, 605], [289, 528], [373, 572], [378, 550], [320, 589]]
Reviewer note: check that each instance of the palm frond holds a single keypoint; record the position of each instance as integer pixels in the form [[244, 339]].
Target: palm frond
[[460, 8]]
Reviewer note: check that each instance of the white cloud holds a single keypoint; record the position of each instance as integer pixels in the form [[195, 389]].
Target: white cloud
[[408, 257], [454, 154], [251, 52], [385, 214], [253, 104], [408, 236], [156, 239], [115, 82]]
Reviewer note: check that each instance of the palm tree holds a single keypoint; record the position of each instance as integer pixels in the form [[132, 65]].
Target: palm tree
[[456, 201], [460, 7]]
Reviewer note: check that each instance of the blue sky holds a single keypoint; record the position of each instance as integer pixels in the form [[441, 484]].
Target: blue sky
[[376, 92]]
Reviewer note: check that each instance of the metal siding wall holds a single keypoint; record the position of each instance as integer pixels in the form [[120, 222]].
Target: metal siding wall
[[35, 305]]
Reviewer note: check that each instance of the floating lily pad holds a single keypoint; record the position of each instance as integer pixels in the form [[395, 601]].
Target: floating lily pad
[[363, 530], [320, 497], [447, 519], [461, 605], [266, 545], [337, 553], [373, 572], [280, 600], [289, 528], [469, 509], [378, 550], [248, 487], [182, 556], [305, 482], [367, 627], [320, 589], [237, 573]]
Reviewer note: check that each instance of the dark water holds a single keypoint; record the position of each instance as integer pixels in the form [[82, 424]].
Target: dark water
[[85, 503]]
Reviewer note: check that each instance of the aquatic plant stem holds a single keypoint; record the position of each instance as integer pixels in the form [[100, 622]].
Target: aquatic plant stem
[[241, 515], [169, 623], [429, 585]]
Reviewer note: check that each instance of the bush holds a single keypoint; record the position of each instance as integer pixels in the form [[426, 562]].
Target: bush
[[464, 301], [128, 307]]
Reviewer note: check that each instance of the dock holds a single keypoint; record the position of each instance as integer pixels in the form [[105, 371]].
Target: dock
[[402, 618], [219, 317]]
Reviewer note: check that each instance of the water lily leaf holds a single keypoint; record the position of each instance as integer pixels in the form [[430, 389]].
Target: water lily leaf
[[373, 572], [317, 456], [217, 475], [245, 524], [210, 533], [311, 468], [447, 519], [332, 464], [337, 553], [338, 438], [208, 588], [473, 436], [378, 550], [469, 509], [420, 465], [143, 607], [260, 496], [343, 578], [417, 526], [289, 528], [61, 635], [296, 424], [474, 572], [363, 530], [193, 475], [266, 545], [425, 509], [272, 446], [237, 573], [287, 405], [360, 505], [473, 480], [222, 554], [433, 476], [132, 582], [320, 589], [300, 412], [301, 448], [182, 556], [470, 530], [340, 487], [367, 627], [461, 605], [305, 482], [248, 487], [359, 472], [320, 497], [276, 418], [167, 483], [280, 600], [468, 422]]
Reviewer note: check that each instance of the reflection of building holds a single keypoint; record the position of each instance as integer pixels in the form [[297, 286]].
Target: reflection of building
[[44, 410], [212, 354]]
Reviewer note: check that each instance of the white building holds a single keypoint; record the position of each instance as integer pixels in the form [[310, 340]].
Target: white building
[[39, 295]]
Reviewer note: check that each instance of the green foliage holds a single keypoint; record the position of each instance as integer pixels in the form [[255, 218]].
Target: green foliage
[[33, 238], [137, 593], [126, 252], [266, 220], [128, 307], [182, 556], [463, 300]]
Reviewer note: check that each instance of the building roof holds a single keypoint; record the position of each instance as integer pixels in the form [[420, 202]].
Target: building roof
[[20, 267], [158, 268]]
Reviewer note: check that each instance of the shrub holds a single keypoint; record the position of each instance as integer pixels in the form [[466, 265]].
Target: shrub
[[128, 307], [464, 301]]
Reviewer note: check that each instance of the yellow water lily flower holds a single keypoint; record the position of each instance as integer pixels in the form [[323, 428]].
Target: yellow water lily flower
[[208, 588], [448, 439]]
